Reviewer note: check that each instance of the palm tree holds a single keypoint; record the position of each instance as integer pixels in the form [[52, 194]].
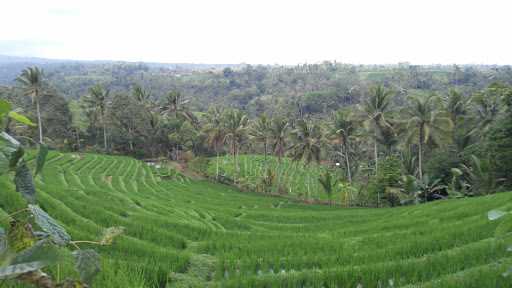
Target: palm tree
[[278, 132], [307, 141], [96, 101], [343, 128], [175, 104], [425, 124], [32, 82], [375, 107], [235, 124], [260, 132], [455, 105], [328, 184], [215, 131], [142, 96]]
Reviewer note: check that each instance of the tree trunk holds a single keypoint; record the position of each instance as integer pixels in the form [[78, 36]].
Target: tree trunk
[[77, 139], [39, 122], [420, 152], [347, 161], [217, 168], [104, 133], [375, 151]]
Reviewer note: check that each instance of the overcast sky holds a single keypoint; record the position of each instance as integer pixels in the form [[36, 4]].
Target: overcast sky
[[260, 31]]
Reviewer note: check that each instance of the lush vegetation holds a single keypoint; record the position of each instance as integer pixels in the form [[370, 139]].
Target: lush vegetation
[[199, 234], [293, 138]]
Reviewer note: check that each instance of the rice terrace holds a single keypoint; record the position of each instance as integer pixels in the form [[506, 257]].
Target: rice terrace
[[255, 144], [210, 235]]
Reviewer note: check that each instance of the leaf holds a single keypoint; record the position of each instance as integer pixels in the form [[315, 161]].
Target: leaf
[[110, 233], [4, 164], [43, 251], [5, 107], [11, 151], [495, 214], [20, 236], [20, 118], [57, 233], [3, 241], [15, 157], [6, 137], [25, 183], [87, 263], [15, 270], [41, 158]]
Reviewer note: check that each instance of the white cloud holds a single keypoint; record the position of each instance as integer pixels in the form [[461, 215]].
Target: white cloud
[[264, 31]]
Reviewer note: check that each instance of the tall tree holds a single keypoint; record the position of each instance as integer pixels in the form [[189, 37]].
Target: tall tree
[[215, 132], [426, 123], [175, 104], [32, 82], [278, 134], [375, 106], [308, 139], [260, 132], [343, 127], [235, 123], [97, 101]]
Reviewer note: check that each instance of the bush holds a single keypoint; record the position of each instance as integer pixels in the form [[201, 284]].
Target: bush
[[199, 165]]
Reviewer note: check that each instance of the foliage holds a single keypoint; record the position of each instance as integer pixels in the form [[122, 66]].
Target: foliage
[[26, 251], [328, 183]]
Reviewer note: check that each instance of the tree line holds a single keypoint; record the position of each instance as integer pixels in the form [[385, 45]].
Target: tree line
[[391, 145]]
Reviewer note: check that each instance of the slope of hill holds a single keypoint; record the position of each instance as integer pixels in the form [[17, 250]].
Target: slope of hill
[[199, 234]]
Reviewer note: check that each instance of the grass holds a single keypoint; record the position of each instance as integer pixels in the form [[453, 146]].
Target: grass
[[199, 234]]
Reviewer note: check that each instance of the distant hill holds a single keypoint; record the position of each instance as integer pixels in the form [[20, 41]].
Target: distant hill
[[11, 66]]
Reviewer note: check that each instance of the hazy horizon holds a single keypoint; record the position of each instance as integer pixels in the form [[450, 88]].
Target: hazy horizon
[[264, 32]]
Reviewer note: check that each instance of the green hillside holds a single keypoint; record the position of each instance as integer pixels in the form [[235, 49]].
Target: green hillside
[[199, 234]]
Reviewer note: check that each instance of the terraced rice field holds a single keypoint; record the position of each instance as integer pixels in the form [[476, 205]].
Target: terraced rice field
[[295, 178], [211, 235]]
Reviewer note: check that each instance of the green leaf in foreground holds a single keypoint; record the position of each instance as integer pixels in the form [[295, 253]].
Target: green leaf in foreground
[[3, 242], [5, 107], [25, 183], [87, 263], [495, 214], [57, 233], [41, 158], [10, 152], [20, 118], [43, 251], [17, 269]]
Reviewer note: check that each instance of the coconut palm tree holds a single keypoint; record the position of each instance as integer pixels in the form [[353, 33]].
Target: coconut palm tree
[[455, 105], [96, 102], [375, 106], [235, 125], [342, 128], [426, 123], [142, 96], [215, 131], [278, 134], [260, 132], [31, 79], [175, 104], [308, 139]]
